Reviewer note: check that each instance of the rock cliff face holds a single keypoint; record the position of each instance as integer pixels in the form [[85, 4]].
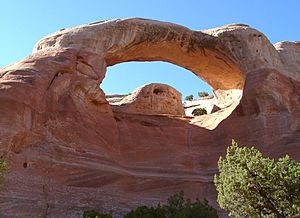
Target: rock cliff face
[[68, 151]]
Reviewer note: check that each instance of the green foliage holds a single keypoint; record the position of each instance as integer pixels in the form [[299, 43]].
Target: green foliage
[[177, 207], [199, 111], [250, 185], [94, 214], [189, 98], [146, 212], [3, 169], [202, 94]]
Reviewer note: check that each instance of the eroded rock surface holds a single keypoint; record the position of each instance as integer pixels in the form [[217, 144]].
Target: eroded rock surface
[[154, 98], [115, 98], [68, 151]]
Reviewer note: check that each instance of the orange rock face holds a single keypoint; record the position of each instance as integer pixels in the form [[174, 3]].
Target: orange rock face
[[68, 151], [154, 98]]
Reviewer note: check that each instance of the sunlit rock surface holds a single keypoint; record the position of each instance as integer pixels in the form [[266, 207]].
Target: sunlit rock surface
[[68, 151], [154, 98]]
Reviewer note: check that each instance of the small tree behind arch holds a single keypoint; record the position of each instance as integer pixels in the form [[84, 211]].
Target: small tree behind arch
[[199, 111], [203, 94], [189, 98]]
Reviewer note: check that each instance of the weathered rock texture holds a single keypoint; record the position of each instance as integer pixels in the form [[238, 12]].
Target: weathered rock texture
[[115, 98], [154, 98], [68, 151]]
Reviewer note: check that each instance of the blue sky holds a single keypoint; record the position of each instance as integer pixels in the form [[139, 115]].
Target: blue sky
[[23, 23]]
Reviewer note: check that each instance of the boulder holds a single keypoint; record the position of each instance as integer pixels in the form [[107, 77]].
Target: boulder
[[154, 98]]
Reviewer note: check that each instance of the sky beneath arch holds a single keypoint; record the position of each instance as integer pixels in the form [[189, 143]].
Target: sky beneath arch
[[23, 23]]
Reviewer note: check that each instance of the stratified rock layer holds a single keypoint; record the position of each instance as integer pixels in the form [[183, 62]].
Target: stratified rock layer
[[68, 151]]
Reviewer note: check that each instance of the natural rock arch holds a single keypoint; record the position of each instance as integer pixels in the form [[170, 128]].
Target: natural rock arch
[[55, 118], [222, 57], [144, 40]]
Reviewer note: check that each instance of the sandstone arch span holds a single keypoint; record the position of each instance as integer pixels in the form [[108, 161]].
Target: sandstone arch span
[[222, 57], [144, 40], [68, 151]]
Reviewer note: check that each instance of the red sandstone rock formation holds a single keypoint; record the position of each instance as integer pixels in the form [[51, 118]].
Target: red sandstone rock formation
[[68, 151], [154, 98]]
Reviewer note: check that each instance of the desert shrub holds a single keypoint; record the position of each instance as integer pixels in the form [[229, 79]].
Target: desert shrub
[[94, 214], [179, 207], [176, 207], [203, 94], [199, 111], [189, 98], [146, 212], [250, 185], [3, 169]]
